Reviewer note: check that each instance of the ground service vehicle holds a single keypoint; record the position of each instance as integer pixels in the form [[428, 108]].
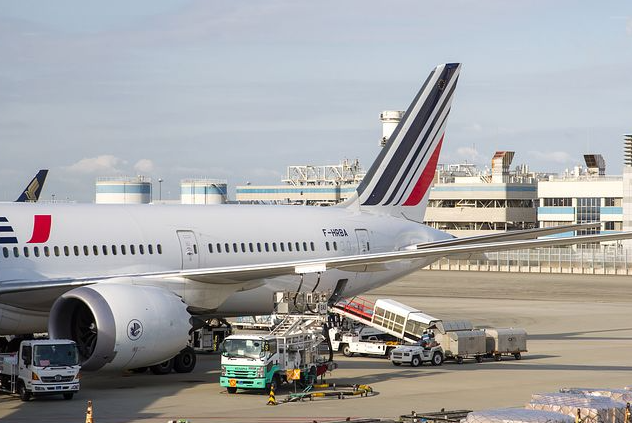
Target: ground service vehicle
[[41, 367], [262, 361], [415, 355], [351, 343]]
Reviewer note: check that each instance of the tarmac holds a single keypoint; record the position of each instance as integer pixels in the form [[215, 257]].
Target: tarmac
[[580, 335]]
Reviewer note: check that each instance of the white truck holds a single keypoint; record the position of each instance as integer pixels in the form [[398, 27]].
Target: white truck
[[41, 367], [417, 354], [350, 343]]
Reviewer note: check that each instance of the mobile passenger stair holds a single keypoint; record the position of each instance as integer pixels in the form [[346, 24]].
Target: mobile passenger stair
[[389, 316]]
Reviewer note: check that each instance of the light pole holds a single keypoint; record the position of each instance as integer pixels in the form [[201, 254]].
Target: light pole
[[160, 189]]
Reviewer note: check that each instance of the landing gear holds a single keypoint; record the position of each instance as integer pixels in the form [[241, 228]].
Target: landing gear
[[185, 361], [162, 368]]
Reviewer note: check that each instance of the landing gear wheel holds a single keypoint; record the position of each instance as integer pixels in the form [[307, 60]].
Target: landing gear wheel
[[22, 392], [347, 351], [518, 356], [459, 359], [479, 358], [416, 361], [163, 368], [437, 359], [68, 395], [231, 390], [185, 361], [498, 357]]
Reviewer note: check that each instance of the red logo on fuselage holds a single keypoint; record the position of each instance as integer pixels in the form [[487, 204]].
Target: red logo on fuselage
[[41, 228]]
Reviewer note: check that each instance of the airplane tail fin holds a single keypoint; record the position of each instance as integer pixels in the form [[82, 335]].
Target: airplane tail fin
[[33, 190], [398, 182]]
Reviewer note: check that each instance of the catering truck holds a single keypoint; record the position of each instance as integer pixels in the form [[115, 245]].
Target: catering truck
[[291, 351], [41, 367]]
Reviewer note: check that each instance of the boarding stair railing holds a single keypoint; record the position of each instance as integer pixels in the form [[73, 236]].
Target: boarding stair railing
[[388, 316]]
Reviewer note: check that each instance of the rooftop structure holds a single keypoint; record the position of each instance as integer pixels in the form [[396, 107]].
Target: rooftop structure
[[390, 119], [308, 184], [466, 201], [627, 183]]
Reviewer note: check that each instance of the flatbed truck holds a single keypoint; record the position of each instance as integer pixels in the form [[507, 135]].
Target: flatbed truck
[[41, 367]]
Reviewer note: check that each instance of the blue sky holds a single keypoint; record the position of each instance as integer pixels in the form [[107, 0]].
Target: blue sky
[[241, 89]]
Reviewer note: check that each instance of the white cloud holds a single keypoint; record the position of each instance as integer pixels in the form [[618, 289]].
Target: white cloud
[[470, 154], [561, 157], [104, 164], [474, 127], [144, 166]]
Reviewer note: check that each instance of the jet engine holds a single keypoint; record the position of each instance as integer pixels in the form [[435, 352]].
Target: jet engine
[[120, 326]]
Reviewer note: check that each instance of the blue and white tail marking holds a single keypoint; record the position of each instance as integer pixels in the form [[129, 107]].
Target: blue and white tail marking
[[399, 180]]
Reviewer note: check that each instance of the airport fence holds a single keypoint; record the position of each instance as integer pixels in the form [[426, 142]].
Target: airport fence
[[605, 260]]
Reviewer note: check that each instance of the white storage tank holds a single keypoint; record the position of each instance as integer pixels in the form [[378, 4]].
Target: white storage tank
[[203, 191], [390, 119], [123, 190]]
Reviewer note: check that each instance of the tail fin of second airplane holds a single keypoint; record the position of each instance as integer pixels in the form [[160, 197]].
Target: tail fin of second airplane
[[399, 180], [33, 190]]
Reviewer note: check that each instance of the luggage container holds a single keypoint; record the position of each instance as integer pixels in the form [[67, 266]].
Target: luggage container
[[462, 344], [509, 341], [445, 326]]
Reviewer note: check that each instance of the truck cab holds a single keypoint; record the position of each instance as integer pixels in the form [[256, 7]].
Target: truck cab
[[250, 362], [41, 367]]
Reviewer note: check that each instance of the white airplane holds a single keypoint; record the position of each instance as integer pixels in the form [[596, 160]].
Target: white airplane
[[128, 283]]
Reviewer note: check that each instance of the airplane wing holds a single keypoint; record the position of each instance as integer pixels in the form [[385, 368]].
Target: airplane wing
[[509, 235], [358, 263]]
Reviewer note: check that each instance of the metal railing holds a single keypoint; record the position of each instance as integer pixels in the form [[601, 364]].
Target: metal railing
[[606, 260]]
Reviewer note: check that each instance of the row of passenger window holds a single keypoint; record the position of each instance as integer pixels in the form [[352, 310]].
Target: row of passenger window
[[75, 250], [267, 247]]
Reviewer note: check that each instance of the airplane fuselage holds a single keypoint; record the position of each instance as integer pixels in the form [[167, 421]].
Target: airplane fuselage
[[87, 240]]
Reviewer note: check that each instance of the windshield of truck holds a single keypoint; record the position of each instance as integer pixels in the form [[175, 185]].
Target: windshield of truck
[[55, 355], [249, 348]]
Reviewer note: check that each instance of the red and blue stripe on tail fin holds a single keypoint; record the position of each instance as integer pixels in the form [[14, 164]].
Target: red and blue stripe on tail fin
[[399, 180]]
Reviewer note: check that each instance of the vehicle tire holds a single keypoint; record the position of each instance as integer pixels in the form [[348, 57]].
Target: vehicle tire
[[347, 351], [139, 370], [68, 395], [388, 352], [459, 359], [162, 368], [498, 357], [518, 356], [437, 359], [22, 392], [479, 358], [231, 390], [416, 361], [396, 363], [185, 361]]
